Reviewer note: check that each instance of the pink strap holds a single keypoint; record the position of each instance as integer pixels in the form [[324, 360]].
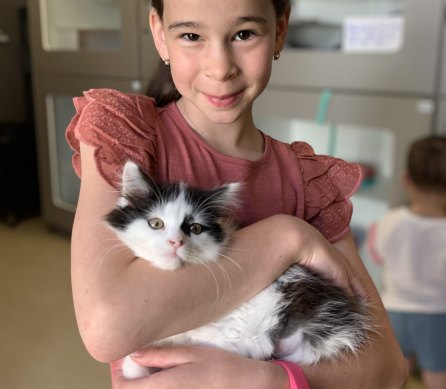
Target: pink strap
[[295, 375]]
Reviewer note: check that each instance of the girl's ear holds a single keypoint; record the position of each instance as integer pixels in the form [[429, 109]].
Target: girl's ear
[[157, 28], [281, 30]]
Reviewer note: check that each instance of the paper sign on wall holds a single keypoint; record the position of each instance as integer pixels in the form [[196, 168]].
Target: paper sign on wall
[[373, 34]]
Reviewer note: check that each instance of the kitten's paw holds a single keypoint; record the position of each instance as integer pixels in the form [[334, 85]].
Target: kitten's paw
[[131, 370]]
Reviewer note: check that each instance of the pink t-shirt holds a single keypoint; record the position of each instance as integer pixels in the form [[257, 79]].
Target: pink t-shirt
[[288, 179]]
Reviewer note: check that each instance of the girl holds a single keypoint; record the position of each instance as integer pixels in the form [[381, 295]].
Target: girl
[[220, 56]]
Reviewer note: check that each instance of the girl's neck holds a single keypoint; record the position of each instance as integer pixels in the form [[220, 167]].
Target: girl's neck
[[239, 139]]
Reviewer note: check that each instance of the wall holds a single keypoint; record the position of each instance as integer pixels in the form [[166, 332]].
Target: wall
[[12, 92]]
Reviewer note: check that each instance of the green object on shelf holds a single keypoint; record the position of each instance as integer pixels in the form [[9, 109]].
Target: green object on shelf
[[321, 118], [324, 104]]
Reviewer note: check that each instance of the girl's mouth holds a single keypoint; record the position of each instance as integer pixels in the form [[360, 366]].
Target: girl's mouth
[[223, 101]]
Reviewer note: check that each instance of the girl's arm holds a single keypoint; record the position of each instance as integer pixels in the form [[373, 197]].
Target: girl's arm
[[123, 303], [379, 365]]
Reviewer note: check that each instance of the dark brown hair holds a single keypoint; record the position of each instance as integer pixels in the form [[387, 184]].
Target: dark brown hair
[[426, 163], [279, 5], [161, 86]]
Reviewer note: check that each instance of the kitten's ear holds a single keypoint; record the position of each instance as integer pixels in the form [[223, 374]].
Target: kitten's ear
[[228, 195], [134, 182]]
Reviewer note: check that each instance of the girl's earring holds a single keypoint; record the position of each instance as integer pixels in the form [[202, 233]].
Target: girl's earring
[[166, 61], [276, 56]]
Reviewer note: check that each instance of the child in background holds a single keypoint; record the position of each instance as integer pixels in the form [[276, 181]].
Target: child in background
[[410, 243], [220, 56]]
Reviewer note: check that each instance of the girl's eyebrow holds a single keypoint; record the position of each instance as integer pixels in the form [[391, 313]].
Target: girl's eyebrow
[[184, 24], [255, 19], [240, 20]]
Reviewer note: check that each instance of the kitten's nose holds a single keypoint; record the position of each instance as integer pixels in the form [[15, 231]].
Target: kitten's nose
[[176, 242]]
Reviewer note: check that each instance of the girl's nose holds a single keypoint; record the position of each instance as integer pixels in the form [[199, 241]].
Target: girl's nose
[[219, 63], [176, 242]]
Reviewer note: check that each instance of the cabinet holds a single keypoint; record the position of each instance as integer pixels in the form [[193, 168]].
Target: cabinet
[[102, 38], [76, 46], [54, 105], [408, 69]]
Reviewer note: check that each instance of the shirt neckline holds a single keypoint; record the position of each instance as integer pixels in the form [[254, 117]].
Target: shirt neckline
[[185, 127]]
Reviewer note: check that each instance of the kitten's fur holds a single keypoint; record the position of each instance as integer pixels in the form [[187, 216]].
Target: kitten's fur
[[300, 317]]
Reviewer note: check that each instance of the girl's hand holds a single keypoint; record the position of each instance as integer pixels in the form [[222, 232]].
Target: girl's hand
[[201, 367], [324, 258]]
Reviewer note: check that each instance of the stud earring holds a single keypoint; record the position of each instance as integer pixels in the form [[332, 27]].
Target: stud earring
[[166, 61], [276, 56]]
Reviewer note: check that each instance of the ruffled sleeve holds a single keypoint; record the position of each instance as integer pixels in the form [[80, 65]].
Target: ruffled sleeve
[[119, 127], [328, 185]]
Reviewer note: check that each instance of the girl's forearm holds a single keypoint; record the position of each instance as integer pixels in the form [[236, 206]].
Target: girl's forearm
[[125, 303]]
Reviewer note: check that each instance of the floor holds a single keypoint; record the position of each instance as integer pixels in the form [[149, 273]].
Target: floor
[[40, 345]]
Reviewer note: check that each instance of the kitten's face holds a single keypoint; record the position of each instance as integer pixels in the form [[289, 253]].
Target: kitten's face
[[171, 224]]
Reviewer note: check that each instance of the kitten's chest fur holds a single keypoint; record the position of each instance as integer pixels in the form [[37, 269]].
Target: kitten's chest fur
[[246, 331], [301, 317]]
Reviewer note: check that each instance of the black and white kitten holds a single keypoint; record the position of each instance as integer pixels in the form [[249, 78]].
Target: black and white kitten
[[301, 317]]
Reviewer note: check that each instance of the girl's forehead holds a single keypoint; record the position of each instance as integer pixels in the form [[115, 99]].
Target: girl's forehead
[[210, 10]]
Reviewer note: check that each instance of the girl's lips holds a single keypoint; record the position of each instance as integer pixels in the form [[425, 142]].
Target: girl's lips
[[223, 101]]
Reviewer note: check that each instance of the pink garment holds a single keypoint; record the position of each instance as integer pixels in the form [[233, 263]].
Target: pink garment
[[295, 375], [288, 179]]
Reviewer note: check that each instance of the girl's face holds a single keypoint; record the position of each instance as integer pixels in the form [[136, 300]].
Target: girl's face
[[220, 53]]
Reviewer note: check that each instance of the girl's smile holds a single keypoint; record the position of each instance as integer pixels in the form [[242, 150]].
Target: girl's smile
[[220, 55], [225, 101]]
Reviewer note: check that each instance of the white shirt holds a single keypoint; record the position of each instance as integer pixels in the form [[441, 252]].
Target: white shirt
[[413, 251]]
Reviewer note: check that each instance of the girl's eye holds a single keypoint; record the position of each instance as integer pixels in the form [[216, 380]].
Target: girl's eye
[[196, 228], [244, 35], [191, 37], [156, 224]]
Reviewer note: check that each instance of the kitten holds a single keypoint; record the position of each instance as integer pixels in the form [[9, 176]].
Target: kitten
[[301, 317]]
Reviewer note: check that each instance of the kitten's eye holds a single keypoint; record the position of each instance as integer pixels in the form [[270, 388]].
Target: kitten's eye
[[196, 228], [156, 224]]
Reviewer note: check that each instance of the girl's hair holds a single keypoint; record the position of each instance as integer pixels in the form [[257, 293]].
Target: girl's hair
[[426, 163], [161, 86]]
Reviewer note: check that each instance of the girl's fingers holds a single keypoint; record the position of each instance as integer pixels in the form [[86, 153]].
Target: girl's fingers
[[163, 357]]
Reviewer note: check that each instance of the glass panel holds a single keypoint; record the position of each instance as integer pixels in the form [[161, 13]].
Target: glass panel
[[349, 25], [371, 147], [81, 25], [65, 184]]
